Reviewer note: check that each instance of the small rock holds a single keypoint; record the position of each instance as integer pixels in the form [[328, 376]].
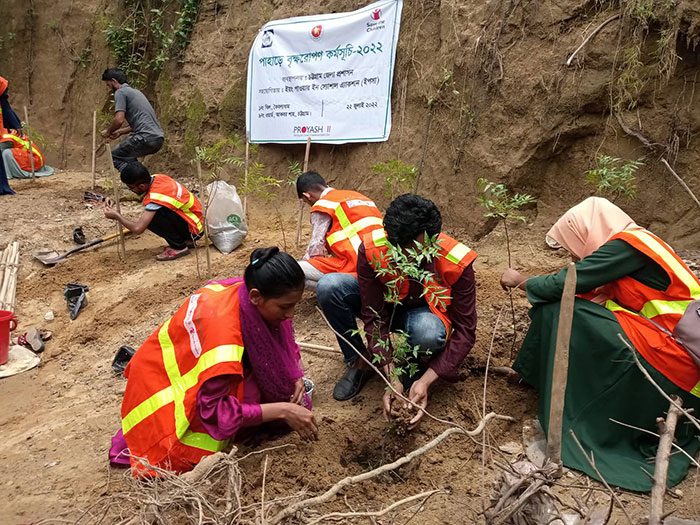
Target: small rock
[[51, 464], [49, 315]]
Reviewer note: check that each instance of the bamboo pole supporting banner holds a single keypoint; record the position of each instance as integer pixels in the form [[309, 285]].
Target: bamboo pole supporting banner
[[205, 203], [94, 145], [245, 180], [301, 202], [31, 145], [561, 366], [121, 248]]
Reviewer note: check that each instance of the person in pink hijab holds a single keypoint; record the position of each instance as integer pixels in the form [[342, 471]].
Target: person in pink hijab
[[625, 277]]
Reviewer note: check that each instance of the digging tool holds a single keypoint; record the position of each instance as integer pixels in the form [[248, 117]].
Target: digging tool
[[51, 257]]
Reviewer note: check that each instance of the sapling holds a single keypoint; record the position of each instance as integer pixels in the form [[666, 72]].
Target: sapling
[[499, 203], [401, 265], [614, 177], [399, 178]]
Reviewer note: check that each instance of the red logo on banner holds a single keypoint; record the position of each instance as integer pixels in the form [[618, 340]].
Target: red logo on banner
[[376, 14], [316, 32]]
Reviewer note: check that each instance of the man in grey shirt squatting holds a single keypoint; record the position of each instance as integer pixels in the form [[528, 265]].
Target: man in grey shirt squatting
[[145, 136]]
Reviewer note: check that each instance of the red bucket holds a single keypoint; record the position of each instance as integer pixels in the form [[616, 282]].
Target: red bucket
[[7, 324]]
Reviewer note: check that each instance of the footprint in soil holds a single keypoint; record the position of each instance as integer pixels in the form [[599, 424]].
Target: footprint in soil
[[395, 442]]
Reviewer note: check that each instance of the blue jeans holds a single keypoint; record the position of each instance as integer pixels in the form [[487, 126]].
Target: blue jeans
[[339, 297]]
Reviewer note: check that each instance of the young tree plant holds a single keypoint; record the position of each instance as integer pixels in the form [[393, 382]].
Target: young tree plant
[[614, 177], [399, 178], [402, 265], [499, 203]]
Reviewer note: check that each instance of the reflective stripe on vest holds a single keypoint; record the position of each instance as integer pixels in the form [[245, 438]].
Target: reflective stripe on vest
[[655, 307], [25, 144], [658, 308], [179, 385], [349, 230], [184, 208]]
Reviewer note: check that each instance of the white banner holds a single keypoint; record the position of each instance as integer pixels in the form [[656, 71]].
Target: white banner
[[327, 77]]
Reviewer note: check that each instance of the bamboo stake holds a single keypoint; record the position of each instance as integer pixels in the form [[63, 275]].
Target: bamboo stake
[[94, 142], [667, 431], [31, 146], [205, 203], [4, 262], [10, 261], [310, 346], [561, 367], [247, 165], [301, 202], [121, 248], [13, 281]]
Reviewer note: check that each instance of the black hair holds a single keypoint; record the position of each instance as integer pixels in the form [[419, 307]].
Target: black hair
[[310, 181], [135, 173], [114, 74], [409, 216], [273, 273]]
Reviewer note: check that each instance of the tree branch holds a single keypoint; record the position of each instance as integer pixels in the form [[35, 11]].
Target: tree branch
[[602, 479], [352, 480], [378, 513], [685, 412], [590, 36], [667, 430]]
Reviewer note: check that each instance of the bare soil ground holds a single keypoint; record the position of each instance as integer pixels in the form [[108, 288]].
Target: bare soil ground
[[57, 420]]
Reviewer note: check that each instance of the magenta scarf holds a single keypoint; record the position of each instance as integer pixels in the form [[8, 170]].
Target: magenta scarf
[[274, 358]]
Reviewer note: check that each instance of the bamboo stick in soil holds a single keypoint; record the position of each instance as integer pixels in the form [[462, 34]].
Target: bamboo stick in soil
[[31, 146], [4, 261], [7, 280], [245, 183], [94, 143], [561, 366], [301, 202], [121, 248], [205, 203], [13, 281]]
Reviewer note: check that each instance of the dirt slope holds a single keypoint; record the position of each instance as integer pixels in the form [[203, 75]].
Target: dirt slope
[[57, 420], [512, 110]]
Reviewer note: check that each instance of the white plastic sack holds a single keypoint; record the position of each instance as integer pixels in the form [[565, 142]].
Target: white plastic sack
[[225, 219]]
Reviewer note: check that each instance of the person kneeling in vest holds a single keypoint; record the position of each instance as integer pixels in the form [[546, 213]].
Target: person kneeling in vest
[[630, 284], [438, 316], [225, 366], [172, 212], [339, 219]]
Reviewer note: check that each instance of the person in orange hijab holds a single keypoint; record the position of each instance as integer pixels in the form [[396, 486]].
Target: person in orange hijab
[[629, 282]]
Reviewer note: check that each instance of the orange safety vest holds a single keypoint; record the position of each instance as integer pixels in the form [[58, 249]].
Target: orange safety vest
[[167, 192], [20, 151], [453, 258], [634, 304], [159, 414], [354, 215]]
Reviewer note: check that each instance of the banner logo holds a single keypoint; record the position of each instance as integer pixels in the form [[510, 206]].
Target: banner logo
[[267, 38], [376, 14], [316, 32]]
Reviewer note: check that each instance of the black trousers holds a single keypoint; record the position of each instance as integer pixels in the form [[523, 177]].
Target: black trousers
[[173, 228], [132, 147]]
